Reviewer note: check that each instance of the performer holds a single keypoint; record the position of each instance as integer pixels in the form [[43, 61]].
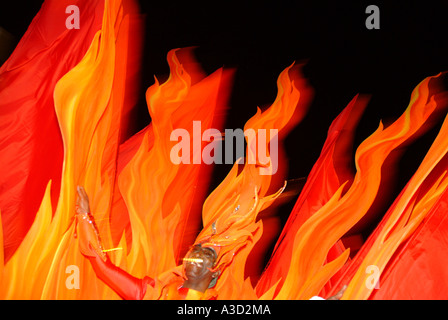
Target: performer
[[192, 281]]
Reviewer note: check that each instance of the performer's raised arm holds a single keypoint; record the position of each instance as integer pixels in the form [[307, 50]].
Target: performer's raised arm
[[125, 285]]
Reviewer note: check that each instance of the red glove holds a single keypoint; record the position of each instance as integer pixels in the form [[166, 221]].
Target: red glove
[[125, 285]]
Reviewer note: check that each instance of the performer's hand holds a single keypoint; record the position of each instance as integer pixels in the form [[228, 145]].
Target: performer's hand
[[338, 295], [89, 238], [82, 202]]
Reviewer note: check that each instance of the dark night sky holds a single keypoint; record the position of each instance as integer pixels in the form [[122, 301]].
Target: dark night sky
[[260, 40]]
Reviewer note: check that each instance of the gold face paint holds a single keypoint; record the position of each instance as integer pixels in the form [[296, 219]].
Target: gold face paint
[[197, 260]]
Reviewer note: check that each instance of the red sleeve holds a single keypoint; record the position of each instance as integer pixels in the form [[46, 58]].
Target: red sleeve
[[125, 285]]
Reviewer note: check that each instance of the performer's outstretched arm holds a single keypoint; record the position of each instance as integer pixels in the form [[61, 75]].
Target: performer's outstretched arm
[[125, 285]]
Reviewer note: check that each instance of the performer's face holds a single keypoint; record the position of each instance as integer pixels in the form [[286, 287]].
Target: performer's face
[[198, 262]]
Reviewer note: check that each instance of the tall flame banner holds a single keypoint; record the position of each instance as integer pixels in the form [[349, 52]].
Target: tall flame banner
[[65, 103]]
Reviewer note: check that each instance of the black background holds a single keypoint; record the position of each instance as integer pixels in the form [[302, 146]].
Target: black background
[[260, 39]]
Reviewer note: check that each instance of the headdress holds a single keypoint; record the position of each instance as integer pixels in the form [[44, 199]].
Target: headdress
[[231, 221]]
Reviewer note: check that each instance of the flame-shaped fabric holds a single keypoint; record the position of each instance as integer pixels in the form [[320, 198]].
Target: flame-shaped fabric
[[324, 179], [148, 194], [230, 212], [31, 144], [341, 212], [89, 120]]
